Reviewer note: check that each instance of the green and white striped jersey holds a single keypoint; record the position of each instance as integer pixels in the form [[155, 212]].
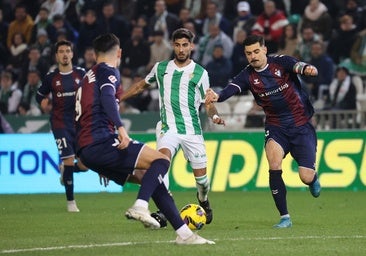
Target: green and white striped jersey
[[181, 92]]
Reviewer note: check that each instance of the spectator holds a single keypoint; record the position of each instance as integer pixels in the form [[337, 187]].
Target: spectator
[[342, 91], [18, 51], [163, 20], [89, 30], [184, 17], [354, 9], [4, 52], [23, 24], [316, 16], [73, 11], [270, 25], [55, 7], [89, 59], [160, 49], [60, 24], [34, 61], [219, 68], [136, 53], [111, 22], [238, 59], [44, 46], [244, 20], [10, 95], [319, 85], [197, 8], [42, 23], [307, 37], [341, 43], [142, 22], [203, 53], [214, 17], [357, 62], [28, 105], [5, 127], [288, 41]]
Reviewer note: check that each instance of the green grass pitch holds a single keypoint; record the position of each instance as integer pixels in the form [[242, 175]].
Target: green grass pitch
[[333, 224]]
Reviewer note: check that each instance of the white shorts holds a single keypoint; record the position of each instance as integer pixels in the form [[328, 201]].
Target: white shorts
[[193, 147]]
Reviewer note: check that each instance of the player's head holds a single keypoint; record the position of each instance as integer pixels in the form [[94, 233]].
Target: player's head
[[64, 52], [255, 51], [107, 48], [182, 44]]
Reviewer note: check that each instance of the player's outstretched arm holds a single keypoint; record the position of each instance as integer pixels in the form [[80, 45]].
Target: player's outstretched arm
[[211, 96], [213, 114], [305, 69], [134, 89]]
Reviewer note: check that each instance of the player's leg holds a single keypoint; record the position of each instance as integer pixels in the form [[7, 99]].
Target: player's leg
[[304, 152], [195, 152], [275, 154], [68, 180]]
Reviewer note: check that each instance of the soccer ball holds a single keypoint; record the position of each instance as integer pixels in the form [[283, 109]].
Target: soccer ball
[[194, 216]]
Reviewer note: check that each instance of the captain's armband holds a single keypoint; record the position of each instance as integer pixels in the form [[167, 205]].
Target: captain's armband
[[299, 67]]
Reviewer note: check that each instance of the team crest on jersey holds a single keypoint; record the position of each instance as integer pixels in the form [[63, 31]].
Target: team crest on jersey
[[256, 81], [58, 83], [77, 80], [278, 73], [112, 78], [191, 76]]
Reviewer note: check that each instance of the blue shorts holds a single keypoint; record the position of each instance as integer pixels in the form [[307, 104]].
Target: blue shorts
[[108, 160], [300, 141], [65, 141]]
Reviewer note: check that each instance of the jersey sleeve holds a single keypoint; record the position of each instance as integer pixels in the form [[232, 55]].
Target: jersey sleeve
[[204, 85], [151, 77], [44, 89], [287, 62]]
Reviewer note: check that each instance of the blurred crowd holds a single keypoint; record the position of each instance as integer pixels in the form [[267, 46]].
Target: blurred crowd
[[329, 34]]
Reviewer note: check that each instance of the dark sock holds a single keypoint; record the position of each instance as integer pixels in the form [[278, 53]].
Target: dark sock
[[164, 201], [68, 179], [314, 179], [278, 190], [153, 178]]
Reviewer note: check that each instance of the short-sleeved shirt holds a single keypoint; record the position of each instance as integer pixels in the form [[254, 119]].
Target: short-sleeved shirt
[[181, 92]]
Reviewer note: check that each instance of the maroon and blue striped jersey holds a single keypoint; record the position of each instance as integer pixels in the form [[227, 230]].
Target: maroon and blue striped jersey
[[93, 120], [278, 90], [62, 87]]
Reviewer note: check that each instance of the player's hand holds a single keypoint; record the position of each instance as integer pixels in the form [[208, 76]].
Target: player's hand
[[103, 180], [211, 96], [124, 139], [45, 104], [310, 71], [218, 120]]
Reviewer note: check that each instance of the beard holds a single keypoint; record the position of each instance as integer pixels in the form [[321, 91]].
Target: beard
[[181, 58]]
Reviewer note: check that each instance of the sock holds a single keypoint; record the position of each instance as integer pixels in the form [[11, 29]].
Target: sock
[[278, 190], [184, 232], [166, 180], [153, 178], [68, 179], [314, 179], [203, 186], [164, 201]]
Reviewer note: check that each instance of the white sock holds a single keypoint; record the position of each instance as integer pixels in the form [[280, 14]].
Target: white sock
[[203, 186], [184, 232], [141, 203], [166, 180]]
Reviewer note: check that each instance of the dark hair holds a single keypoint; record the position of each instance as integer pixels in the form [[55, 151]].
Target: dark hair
[[183, 33], [106, 42], [61, 43], [253, 39]]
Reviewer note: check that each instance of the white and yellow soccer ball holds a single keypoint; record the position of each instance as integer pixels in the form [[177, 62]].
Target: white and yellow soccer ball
[[194, 216]]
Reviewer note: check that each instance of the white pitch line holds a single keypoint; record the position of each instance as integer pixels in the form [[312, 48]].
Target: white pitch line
[[53, 248]]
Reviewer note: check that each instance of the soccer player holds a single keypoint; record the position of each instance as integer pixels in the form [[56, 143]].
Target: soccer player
[[182, 84], [105, 147], [276, 87], [58, 89]]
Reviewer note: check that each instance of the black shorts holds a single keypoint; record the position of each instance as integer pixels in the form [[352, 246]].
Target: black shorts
[[300, 141], [108, 160]]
